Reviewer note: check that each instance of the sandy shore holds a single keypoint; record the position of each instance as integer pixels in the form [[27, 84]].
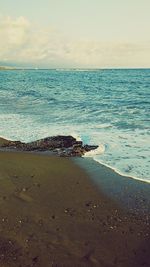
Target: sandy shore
[[52, 215], [132, 194]]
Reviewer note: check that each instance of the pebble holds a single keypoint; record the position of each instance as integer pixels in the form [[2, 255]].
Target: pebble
[[4, 219], [66, 210], [24, 189]]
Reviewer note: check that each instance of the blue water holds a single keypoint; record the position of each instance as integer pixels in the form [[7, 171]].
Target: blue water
[[110, 108]]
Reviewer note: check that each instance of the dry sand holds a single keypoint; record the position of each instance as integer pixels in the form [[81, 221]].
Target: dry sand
[[51, 215]]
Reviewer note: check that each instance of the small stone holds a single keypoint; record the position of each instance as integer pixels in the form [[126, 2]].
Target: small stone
[[66, 210], [24, 189]]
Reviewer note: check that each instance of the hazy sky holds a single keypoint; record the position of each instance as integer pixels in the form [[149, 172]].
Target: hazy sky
[[75, 33]]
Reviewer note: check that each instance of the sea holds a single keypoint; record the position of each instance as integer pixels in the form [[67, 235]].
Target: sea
[[105, 107]]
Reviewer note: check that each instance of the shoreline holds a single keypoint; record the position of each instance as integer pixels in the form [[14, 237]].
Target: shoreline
[[121, 173], [131, 193], [85, 157], [5, 139]]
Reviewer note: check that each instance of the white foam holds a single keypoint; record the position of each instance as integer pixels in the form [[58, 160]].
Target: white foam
[[121, 173], [115, 149], [76, 136], [98, 151]]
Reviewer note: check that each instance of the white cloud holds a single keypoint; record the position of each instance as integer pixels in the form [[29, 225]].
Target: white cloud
[[22, 43], [13, 34]]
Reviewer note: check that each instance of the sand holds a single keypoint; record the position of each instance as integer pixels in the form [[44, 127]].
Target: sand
[[52, 215], [3, 141]]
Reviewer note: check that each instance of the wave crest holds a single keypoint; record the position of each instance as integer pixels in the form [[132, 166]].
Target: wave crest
[[98, 151]]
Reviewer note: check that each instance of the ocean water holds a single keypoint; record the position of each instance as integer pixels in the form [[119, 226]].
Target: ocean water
[[109, 108]]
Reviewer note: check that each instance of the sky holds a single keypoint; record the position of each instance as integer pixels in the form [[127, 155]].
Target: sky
[[75, 33]]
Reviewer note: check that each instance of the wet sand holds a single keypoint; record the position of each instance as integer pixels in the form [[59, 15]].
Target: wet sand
[[52, 215]]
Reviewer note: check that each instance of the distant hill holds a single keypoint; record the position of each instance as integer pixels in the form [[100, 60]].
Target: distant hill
[[16, 68], [7, 68]]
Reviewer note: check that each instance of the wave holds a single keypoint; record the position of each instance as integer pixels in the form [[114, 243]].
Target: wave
[[95, 107], [121, 173], [98, 151]]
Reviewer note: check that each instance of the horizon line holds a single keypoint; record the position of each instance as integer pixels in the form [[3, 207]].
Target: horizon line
[[71, 68]]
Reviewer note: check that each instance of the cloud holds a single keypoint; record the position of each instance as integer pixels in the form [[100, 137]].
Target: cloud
[[23, 43], [13, 34]]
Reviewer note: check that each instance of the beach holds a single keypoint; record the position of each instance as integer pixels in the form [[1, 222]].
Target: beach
[[53, 214], [74, 133], [98, 107]]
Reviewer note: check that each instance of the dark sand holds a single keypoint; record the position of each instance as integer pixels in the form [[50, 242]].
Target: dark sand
[[3, 141], [132, 194], [52, 215]]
